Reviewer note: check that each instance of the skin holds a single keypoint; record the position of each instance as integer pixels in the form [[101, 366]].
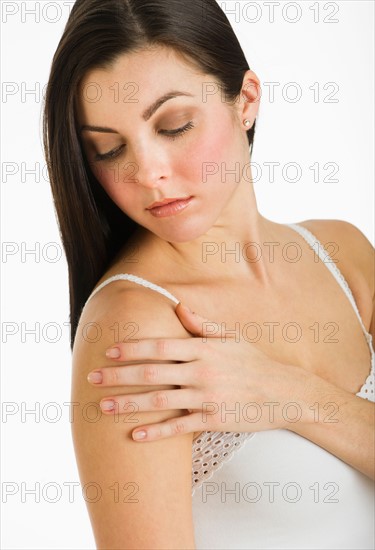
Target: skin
[[169, 253]]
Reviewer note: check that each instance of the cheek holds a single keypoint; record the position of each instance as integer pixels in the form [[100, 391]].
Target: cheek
[[206, 155]]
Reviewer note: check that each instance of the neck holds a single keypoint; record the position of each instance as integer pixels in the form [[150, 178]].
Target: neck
[[233, 247]]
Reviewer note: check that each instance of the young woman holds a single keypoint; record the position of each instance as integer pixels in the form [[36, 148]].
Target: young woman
[[149, 122]]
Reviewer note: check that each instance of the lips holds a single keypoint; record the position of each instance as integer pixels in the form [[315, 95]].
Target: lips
[[169, 207], [166, 201]]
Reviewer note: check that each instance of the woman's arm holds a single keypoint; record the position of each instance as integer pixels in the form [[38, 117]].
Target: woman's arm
[[349, 433], [138, 496]]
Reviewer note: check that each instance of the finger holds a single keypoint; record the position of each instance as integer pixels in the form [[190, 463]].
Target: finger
[[170, 349], [170, 428], [193, 322], [161, 400], [196, 324], [180, 374]]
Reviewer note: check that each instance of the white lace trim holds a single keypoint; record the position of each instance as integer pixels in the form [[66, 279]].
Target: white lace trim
[[211, 450], [367, 390]]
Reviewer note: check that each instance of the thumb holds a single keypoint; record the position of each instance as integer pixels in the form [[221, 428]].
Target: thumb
[[195, 323]]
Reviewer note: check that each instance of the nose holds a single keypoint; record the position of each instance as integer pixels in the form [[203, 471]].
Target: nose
[[150, 165]]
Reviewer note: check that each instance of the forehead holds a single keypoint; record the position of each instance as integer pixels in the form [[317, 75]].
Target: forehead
[[149, 71]]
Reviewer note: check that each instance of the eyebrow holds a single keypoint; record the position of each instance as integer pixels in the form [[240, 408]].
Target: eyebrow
[[146, 115]]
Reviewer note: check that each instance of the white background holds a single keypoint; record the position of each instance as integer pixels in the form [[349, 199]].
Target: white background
[[36, 370]]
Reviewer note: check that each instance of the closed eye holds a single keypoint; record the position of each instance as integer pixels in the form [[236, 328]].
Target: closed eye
[[110, 155], [179, 131], [172, 134]]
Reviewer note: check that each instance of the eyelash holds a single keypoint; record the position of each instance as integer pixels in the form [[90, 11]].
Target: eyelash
[[172, 134]]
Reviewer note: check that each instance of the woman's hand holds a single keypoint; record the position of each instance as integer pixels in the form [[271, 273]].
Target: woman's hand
[[225, 384]]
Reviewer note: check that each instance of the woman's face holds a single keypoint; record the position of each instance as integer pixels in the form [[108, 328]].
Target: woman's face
[[154, 128]]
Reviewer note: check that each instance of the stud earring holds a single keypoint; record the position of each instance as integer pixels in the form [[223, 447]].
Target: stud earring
[[247, 122]]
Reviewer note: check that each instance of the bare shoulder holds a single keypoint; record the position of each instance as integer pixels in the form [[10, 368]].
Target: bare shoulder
[[355, 258], [152, 314], [144, 488], [355, 253]]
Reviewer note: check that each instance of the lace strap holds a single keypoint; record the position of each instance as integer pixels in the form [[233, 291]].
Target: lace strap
[[137, 280]]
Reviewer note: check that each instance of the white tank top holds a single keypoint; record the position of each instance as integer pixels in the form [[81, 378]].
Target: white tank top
[[275, 489]]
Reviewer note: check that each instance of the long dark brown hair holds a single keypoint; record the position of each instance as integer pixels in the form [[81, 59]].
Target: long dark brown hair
[[92, 227]]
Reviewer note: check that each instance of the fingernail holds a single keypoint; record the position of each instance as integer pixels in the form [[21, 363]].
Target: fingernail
[[113, 353], [139, 435], [187, 309], [95, 377], [108, 405]]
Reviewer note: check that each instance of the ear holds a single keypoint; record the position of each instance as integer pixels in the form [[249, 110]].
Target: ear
[[250, 98]]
